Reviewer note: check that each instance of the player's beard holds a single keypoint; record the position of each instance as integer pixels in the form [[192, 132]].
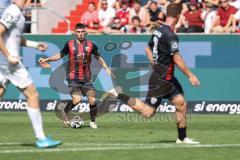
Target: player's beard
[[81, 39]]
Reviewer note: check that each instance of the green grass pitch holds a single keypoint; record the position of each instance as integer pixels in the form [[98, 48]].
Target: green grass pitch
[[122, 137]]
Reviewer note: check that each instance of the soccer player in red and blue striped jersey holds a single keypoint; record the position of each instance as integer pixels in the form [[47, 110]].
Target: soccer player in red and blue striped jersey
[[79, 52]]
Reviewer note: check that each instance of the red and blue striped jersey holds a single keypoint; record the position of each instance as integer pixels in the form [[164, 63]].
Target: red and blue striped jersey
[[79, 55]]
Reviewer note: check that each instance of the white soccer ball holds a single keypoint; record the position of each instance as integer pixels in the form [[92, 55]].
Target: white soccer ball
[[76, 122]]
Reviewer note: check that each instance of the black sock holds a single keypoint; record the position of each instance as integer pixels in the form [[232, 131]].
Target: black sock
[[69, 106], [182, 133], [93, 112], [123, 98], [65, 111]]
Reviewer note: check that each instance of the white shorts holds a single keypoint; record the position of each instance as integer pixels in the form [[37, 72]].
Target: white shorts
[[17, 75]]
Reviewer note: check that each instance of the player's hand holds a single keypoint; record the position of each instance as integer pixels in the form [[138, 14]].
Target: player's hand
[[42, 60], [194, 80], [44, 63], [13, 59], [42, 46]]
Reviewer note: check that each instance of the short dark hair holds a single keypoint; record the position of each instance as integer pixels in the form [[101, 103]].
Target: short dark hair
[[174, 10], [80, 26], [136, 18]]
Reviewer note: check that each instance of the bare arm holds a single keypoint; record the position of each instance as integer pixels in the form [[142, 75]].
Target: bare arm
[[234, 22], [181, 21], [3, 49], [2, 44], [216, 21], [53, 58], [104, 65], [149, 55], [204, 15], [178, 60], [33, 44], [147, 18]]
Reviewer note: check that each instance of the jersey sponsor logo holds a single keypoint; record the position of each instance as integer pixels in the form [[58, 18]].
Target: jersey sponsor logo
[[174, 45], [79, 55], [157, 33], [153, 100], [7, 18]]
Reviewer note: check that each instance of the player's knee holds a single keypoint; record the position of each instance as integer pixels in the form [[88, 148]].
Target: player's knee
[[92, 100], [181, 106], [76, 98], [33, 94], [184, 107], [2, 90]]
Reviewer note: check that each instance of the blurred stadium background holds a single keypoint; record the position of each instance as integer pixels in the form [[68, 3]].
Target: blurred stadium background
[[213, 54]]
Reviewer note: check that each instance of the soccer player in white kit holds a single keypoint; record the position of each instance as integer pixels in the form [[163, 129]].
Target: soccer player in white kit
[[11, 68]]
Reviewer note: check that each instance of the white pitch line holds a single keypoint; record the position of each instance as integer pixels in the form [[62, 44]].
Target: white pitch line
[[109, 144], [85, 144], [129, 147]]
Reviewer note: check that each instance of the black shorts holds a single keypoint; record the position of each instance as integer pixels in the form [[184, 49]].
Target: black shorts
[[161, 89], [80, 87]]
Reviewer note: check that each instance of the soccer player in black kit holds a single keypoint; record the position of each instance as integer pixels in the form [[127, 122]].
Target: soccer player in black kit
[[79, 52], [162, 52]]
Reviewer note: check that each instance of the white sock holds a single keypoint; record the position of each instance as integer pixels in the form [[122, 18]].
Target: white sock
[[36, 119]]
